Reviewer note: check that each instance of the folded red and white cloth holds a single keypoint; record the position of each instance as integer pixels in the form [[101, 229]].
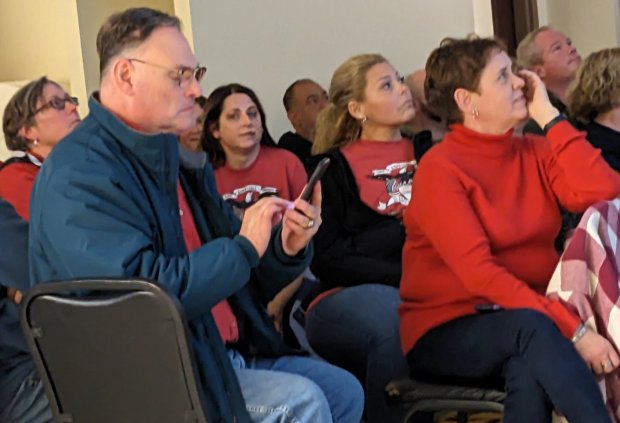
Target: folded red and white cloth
[[587, 278]]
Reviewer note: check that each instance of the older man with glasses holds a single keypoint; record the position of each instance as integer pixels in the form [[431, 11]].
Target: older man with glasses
[[118, 200]]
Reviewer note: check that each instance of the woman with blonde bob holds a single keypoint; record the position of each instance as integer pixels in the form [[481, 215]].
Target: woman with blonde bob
[[593, 101], [479, 252], [353, 322]]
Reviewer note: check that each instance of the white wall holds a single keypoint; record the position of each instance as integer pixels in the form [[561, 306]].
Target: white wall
[[483, 18], [591, 24], [91, 15], [267, 44]]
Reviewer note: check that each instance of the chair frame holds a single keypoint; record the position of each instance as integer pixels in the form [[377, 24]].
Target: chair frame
[[107, 285], [463, 400]]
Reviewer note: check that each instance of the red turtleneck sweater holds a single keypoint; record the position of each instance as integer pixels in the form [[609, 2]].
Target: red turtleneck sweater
[[483, 221]]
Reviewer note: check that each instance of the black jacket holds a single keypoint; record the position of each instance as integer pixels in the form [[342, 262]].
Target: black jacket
[[607, 140], [297, 145], [355, 244]]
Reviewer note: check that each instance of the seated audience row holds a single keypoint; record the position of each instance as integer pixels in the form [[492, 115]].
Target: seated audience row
[[472, 255], [121, 159]]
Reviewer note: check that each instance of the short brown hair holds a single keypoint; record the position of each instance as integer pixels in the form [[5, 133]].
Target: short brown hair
[[128, 29], [456, 63], [596, 87], [213, 146], [19, 113]]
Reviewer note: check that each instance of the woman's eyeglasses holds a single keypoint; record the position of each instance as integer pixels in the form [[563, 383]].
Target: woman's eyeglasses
[[57, 103]]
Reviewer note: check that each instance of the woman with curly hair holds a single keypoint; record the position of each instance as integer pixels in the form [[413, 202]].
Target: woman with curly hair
[[593, 101]]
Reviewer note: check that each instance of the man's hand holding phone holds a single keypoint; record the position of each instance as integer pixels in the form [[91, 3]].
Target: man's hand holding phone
[[302, 221]]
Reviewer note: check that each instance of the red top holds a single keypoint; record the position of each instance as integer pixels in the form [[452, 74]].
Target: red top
[[223, 315], [274, 172], [16, 181], [485, 218], [383, 171]]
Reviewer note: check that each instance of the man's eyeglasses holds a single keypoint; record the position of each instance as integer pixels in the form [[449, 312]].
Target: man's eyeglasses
[[183, 75], [57, 103]]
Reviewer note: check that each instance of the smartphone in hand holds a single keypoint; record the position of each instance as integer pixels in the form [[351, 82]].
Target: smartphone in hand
[[318, 173]]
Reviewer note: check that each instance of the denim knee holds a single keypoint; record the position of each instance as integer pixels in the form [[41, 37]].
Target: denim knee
[[529, 323]]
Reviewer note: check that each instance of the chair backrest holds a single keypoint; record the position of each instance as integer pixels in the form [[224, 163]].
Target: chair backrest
[[111, 350]]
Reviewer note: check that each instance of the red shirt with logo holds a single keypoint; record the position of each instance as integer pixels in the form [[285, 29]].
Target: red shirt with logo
[[383, 171], [274, 172]]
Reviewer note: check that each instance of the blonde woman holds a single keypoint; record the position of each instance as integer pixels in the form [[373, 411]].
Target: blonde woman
[[354, 322]]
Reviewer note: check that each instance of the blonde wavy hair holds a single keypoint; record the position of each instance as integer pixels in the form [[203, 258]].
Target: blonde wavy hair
[[596, 87], [335, 127]]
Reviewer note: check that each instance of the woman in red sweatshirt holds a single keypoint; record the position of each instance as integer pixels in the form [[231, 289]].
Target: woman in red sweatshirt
[[479, 248]]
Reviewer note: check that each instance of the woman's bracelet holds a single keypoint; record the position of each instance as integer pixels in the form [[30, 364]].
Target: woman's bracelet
[[579, 332]]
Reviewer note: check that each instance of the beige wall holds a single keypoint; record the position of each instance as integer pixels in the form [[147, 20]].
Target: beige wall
[[91, 15], [33, 42], [267, 44], [592, 24]]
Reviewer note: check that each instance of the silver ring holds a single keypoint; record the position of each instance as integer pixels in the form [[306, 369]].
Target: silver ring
[[606, 364], [310, 224]]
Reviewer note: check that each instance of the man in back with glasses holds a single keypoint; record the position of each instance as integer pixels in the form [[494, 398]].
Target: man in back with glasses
[[117, 199]]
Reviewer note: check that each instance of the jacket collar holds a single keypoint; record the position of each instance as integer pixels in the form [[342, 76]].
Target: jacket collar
[[158, 153]]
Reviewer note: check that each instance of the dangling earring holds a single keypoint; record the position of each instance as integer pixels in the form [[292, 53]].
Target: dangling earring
[[364, 119], [475, 113]]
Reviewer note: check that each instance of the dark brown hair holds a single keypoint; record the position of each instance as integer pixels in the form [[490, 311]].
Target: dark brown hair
[[456, 63], [216, 99], [19, 113]]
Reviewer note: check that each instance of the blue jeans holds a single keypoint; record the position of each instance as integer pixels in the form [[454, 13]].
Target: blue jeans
[[358, 329], [298, 390], [540, 369], [29, 404]]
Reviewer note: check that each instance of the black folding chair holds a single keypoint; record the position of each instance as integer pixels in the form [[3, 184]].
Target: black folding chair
[[415, 396], [112, 350]]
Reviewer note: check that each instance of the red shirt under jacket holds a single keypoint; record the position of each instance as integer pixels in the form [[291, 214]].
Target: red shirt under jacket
[[16, 181], [223, 315]]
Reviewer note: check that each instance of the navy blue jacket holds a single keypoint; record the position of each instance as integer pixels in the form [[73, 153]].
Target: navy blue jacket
[[105, 204], [15, 360]]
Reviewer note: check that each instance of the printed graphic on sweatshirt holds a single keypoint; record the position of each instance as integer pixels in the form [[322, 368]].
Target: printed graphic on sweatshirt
[[243, 197], [397, 178]]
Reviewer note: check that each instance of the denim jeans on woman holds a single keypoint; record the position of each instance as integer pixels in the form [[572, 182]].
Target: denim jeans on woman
[[541, 370], [358, 329], [294, 389]]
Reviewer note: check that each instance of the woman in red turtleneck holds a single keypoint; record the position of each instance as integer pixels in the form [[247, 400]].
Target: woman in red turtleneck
[[36, 118], [480, 238]]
